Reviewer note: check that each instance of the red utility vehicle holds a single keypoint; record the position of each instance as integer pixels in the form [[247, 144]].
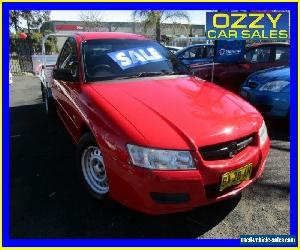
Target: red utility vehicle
[[148, 135], [258, 56]]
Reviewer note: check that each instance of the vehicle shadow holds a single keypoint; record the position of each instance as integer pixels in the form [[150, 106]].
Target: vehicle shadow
[[278, 129], [47, 202]]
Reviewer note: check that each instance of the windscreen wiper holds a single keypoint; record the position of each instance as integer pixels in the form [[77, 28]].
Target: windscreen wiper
[[145, 74], [155, 73], [140, 74]]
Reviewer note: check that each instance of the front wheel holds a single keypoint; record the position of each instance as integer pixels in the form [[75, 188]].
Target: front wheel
[[91, 167]]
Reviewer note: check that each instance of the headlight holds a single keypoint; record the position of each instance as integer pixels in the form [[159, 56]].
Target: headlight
[[263, 134], [274, 86], [160, 159]]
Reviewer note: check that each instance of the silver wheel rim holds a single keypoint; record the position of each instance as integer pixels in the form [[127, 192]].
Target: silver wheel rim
[[93, 169]]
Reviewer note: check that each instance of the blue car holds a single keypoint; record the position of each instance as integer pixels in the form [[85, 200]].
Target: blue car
[[197, 54], [269, 91]]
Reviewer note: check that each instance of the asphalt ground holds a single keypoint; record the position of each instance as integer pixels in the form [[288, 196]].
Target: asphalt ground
[[46, 200]]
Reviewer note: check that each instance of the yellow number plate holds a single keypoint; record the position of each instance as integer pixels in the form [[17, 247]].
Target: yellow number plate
[[236, 176]]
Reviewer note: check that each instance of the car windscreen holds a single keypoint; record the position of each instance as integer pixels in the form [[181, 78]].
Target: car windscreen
[[117, 58]]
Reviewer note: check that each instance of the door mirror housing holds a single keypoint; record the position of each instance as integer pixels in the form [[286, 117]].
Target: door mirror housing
[[64, 75]]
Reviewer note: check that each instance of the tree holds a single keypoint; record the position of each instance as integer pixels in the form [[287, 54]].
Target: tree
[[34, 18], [154, 18], [12, 42], [36, 40], [14, 19], [92, 20], [40, 17], [50, 43]]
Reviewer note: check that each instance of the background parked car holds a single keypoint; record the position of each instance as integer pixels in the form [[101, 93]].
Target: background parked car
[[197, 54], [257, 57], [269, 91]]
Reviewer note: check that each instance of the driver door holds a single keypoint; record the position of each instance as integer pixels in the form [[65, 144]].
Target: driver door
[[66, 92]]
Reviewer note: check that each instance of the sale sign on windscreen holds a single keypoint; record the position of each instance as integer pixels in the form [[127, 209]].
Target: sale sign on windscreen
[[247, 25]]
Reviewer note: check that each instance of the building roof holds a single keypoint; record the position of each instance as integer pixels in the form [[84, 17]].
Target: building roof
[[109, 35]]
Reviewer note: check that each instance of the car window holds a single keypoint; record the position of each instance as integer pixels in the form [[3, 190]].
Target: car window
[[282, 54], [63, 55], [210, 51], [199, 52], [190, 53], [112, 58], [68, 57], [258, 55]]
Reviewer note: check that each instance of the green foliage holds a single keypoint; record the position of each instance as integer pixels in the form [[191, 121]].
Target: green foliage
[[14, 19], [12, 42], [154, 18], [36, 41], [50, 44], [32, 18]]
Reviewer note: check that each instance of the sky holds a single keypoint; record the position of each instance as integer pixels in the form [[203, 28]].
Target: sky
[[196, 16]]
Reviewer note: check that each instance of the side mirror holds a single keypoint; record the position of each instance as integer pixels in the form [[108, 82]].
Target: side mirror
[[64, 75]]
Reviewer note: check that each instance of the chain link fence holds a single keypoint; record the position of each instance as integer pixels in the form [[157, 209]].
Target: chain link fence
[[20, 56]]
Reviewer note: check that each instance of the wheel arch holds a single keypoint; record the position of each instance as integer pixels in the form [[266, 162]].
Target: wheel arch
[[84, 128]]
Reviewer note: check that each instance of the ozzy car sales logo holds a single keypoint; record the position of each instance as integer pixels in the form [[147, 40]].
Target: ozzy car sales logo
[[247, 25]]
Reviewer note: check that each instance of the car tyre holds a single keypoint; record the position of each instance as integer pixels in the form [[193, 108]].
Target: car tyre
[[43, 92], [91, 167], [49, 103]]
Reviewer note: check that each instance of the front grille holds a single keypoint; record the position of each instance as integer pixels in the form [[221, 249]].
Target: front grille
[[225, 150], [252, 84]]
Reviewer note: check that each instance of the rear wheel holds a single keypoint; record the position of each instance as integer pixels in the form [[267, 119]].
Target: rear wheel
[[43, 93], [91, 167]]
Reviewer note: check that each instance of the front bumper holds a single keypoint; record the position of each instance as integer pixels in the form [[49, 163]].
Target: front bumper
[[270, 104], [162, 192]]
